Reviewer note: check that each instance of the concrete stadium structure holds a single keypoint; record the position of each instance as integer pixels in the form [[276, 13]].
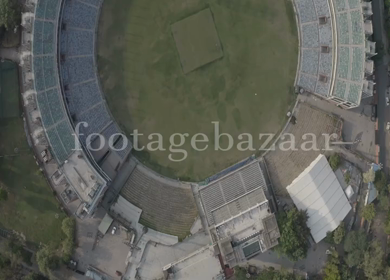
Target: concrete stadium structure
[[61, 89], [238, 214], [51, 129], [335, 50]]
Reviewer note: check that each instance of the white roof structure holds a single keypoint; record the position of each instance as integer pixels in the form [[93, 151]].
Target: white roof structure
[[317, 191], [234, 194]]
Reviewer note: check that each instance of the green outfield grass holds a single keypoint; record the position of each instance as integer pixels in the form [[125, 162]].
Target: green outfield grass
[[248, 90], [31, 208], [9, 83]]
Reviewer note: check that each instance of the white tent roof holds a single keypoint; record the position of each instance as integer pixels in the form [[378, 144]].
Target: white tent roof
[[317, 191]]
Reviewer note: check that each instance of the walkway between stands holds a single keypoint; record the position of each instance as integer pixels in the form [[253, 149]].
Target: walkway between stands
[[120, 180]]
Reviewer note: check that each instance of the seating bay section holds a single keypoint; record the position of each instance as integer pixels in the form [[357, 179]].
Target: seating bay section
[[81, 88], [332, 49]]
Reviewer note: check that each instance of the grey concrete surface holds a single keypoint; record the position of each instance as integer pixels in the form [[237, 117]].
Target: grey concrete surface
[[156, 256], [357, 125], [120, 180], [108, 253], [10, 53], [314, 262]]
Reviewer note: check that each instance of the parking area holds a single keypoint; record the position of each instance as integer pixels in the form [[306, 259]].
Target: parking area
[[108, 254]]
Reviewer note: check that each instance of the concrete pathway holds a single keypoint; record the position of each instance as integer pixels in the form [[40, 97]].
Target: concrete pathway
[[314, 262], [119, 181], [10, 54]]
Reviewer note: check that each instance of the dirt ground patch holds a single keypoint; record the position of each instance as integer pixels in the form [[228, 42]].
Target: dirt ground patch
[[285, 166], [196, 40]]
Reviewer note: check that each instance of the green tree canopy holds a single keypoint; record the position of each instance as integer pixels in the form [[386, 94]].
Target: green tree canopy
[[339, 233], [267, 274], [334, 161], [34, 276], [4, 261], [380, 181], [8, 14], [329, 237], [384, 203], [332, 271], [369, 212], [69, 227], [387, 225], [46, 260], [373, 264], [3, 194], [355, 245], [369, 176], [294, 233]]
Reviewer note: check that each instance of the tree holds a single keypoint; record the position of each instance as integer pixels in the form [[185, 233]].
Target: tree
[[380, 181], [4, 261], [369, 176], [373, 264], [369, 212], [8, 14], [334, 161], [387, 228], [332, 271], [383, 202], [3, 194], [240, 273], [293, 234], [329, 237], [46, 260], [345, 272], [67, 247], [339, 233], [6, 270], [347, 177], [68, 227], [34, 276], [355, 245]]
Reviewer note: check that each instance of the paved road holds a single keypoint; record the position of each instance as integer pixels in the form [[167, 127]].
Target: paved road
[[314, 262], [381, 82]]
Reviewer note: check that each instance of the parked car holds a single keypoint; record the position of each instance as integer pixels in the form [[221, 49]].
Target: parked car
[[113, 230], [373, 113], [387, 101], [388, 126]]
